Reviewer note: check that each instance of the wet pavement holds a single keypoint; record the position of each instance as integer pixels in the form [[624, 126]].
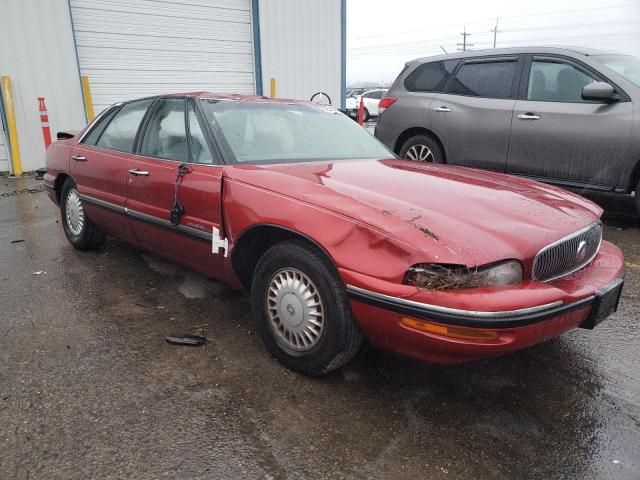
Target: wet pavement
[[90, 389]]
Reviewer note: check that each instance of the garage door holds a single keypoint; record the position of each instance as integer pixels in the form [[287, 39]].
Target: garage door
[[148, 47], [4, 154]]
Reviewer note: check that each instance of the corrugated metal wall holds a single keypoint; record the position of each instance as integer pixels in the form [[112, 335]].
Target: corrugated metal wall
[[301, 47], [36, 51], [148, 47]]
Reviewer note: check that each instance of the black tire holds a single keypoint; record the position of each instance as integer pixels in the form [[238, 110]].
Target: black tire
[[340, 337], [89, 236], [365, 115], [638, 198], [426, 141]]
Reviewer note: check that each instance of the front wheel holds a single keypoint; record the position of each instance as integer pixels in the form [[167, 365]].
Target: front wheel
[[302, 310], [78, 228], [422, 148]]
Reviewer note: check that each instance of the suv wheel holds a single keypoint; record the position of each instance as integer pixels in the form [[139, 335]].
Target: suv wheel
[[302, 310], [80, 231], [422, 148]]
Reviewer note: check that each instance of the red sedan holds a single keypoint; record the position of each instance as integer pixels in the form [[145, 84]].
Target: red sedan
[[336, 239]]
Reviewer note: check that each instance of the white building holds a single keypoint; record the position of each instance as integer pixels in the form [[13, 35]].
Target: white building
[[134, 48]]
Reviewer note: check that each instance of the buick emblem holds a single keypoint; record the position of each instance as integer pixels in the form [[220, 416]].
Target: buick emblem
[[581, 252]]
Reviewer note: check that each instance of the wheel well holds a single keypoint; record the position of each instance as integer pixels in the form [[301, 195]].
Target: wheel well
[[255, 242], [57, 186], [407, 134], [635, 178]]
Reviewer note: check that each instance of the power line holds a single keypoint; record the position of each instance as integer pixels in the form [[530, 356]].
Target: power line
[[559, 12]]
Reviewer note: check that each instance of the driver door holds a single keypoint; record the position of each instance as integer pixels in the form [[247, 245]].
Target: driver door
[[175, 163], [557, 135]]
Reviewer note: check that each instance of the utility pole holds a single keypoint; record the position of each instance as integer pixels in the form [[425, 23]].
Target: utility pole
[[495, 33], [443, 49], [464, 43]]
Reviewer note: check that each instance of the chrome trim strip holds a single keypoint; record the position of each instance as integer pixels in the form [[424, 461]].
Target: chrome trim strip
[[102, 203], [194, 232], [564, 239], [426, 307]]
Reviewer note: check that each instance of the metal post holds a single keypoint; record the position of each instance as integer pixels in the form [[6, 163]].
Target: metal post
[[7, 95], [88, 99], [273, 88]]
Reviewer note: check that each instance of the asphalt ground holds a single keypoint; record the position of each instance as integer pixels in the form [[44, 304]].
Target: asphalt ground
[[90, 389]]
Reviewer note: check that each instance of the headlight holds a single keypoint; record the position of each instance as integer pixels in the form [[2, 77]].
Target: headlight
[[435, 276]]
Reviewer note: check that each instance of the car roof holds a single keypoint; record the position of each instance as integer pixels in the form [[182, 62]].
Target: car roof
[[233, 96], [514, 50]]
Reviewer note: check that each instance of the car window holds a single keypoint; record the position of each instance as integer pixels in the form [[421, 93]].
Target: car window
[[625, 65], [556, 82], [120, 134], [485, 79], [166, 135], [199, 148], [269, 132], [92, 137], [430, 77]]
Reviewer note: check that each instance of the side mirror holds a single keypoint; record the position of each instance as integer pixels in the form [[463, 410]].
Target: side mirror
[[598, 91]]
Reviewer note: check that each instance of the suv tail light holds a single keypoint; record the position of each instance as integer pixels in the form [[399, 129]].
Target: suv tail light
[[385, 102]]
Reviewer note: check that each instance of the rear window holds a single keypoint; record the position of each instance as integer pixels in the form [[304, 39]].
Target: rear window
[[486, 79], [430, 77]]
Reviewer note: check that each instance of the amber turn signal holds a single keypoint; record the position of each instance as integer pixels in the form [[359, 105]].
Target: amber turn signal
[[449, 331]]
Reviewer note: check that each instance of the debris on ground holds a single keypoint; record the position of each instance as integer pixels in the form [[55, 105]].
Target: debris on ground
[[187, 339], [17, 241], [23, 191], [39, 272]]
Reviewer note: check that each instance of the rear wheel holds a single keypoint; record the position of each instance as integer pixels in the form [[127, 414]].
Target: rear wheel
[[422, 148], [638, 197], [78, 228], [302, 310], [365, 115]]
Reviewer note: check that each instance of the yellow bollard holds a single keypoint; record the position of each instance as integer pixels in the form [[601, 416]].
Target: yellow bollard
[[273, 88], [88, 100], [7, 95]]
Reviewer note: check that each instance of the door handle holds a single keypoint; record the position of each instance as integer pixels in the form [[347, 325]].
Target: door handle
[[139, 173], [442, 109], [528, 116], [79, 158]]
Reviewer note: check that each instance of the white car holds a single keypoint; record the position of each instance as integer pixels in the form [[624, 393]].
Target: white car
[[371, 100]]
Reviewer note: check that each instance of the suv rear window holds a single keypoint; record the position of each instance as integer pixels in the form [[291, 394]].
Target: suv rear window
[[430, 77], [485, 79]]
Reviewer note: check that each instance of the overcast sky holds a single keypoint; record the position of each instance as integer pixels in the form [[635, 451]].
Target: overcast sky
[[382, 35]]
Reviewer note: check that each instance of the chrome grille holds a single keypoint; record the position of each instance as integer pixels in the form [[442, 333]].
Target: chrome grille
[[568, 254]]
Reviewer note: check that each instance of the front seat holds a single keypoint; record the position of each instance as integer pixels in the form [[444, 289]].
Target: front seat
[[570, 83]]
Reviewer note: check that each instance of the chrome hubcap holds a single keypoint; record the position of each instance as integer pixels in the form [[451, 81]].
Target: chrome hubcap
[[295, 309], [420, 153], [74, 212]]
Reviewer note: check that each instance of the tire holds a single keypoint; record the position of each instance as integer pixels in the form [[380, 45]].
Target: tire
[[423, 148], [79, 229], [283, 267], [638, 198], [366, 115]]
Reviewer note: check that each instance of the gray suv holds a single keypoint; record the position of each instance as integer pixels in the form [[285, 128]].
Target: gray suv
[[564, 116]]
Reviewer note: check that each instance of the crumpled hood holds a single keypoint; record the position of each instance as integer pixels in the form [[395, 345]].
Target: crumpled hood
[[452, 214]]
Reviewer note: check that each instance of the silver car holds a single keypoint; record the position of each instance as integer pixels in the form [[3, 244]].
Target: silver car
[[564, 116]]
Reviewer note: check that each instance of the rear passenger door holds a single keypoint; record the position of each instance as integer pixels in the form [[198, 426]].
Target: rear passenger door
[[175, 164], [557, 135], [99, 166], [473, 117]]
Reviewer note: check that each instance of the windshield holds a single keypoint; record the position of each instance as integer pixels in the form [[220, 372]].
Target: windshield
[[626, 65], [268, 132]]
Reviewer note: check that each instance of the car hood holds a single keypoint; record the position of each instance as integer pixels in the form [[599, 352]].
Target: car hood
[[452, 214]]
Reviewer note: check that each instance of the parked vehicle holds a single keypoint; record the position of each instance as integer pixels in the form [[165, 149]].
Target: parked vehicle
[[335, 238], [371, 100], [568, 117]]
